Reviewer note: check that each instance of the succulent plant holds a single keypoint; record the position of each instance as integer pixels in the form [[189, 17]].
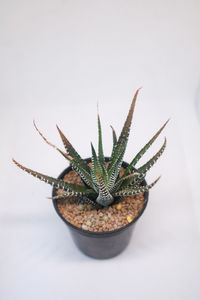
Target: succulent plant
[[102, 184]]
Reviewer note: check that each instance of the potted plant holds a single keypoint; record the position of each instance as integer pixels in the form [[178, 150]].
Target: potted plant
[[101, 198]]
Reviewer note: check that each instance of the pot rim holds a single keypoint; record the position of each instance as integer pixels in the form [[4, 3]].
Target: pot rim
[[100, 233]]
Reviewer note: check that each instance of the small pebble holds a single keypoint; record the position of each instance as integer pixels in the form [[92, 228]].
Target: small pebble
[[80, 207], [88, 223], [119, 206], [129, 219], [105, 218], [84, 227]]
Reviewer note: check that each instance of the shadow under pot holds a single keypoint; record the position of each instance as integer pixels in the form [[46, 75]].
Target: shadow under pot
[[101, 245]]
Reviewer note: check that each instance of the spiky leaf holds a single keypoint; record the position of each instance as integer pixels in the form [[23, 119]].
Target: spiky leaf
[[137, 190], [83, 199], [143, 150], [104, 198], [143, 169], [101, 157], [86, 200], [126, 181], [114, 135], [72, 152], [96, 169], [114, 139], [123, 138], [113, 173], [58, 183], [85, 176]]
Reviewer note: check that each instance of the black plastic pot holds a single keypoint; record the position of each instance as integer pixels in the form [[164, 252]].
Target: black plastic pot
[[101, 244]]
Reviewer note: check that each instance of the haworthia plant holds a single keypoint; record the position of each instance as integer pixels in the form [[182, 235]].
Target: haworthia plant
[[102, 184]]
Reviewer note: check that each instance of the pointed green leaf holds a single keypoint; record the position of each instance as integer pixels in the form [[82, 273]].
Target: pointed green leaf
[[144, 149], [101, 158], [86, 200], [114, 140], [100, 148], [114, 136], [72, 152], [85, 176], [126, 128], [123, 138], [66, 195], [137, 190], [143, 169], [58, 183], [95, 167], [123, 182], [134, 182], [80, 199], [114, 171], [104, 198]]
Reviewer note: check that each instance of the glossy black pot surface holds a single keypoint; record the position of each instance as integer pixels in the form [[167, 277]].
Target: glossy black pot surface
[[100, 244]]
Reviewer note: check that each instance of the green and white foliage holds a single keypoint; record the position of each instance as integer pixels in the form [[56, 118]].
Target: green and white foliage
[[102, 184]]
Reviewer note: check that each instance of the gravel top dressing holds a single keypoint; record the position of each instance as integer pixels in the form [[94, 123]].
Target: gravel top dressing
[[105, 219]]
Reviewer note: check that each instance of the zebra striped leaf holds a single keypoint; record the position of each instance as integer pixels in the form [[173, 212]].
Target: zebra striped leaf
[[114, 140], [144, 149], [136, 190], [72, 152], [123, 138], [95, 166], [143, 169], [101, 157], [58, 183], [104, 198]]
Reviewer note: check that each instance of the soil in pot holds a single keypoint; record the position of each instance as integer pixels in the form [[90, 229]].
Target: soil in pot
[[106, 219]]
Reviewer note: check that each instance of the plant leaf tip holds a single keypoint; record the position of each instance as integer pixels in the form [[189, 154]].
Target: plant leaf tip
[[34, 124], [98, 108], [157, 179], [137, 91]]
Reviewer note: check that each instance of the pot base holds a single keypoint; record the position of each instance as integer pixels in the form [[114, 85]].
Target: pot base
[[104, 246]]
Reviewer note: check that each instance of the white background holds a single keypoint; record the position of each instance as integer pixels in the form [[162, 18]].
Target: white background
[[58, 59]]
